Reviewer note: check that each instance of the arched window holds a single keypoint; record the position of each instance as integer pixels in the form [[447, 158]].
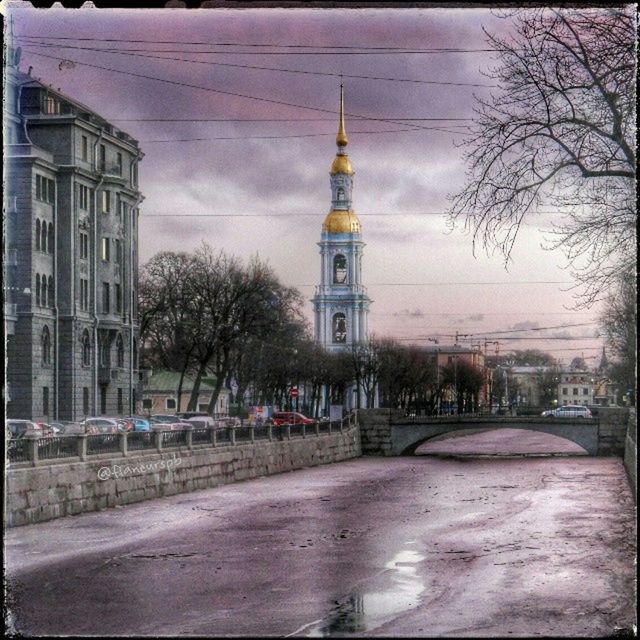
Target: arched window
[[120, 352], [46, 346], [339, 269], [50, 299], [339, 328], [43, 236], [340, 193], [37, 289], [43, 291], [86, 349], [37, 234], [50, 238]]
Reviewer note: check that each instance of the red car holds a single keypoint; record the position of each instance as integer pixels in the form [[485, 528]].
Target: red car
[[290, 417]]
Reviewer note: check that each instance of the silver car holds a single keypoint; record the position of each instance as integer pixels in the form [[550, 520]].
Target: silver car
[[569, 411]]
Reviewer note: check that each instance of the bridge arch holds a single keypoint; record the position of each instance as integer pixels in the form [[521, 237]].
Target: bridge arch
[[578, 450], [407, 436]]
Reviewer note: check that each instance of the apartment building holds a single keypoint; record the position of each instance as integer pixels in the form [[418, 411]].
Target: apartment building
[[70, 263]]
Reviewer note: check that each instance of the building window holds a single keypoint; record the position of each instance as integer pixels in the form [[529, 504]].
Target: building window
[[585, 391], [50, 242], [120, 352], [43, 237], [170, 403], [106, 300], [45, 401], [565, 391], [118, 295], [85, 148], [339, 269], [102, 161], [118, 251], [51, 106], [84, 245], [103, 399], [83, 197], [45, 189], [104, 352], [46, 345], [339, 328], [84, 294], [86, 349], [50, 301], [106, 201], [120, 403], [119, 163], [37, 234], [106, 249], [43, 291], [575, 391], [147, 403], [85, 400], [37, 289]]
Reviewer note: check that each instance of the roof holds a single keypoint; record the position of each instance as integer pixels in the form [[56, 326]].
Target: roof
[[167, 381]]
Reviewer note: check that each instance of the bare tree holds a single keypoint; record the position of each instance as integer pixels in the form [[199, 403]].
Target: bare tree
[[619, 321], [559, 133]]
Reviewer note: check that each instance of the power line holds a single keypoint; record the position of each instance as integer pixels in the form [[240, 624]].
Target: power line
[[135, 53], [299, 135], [297, 214], [439, 284], [261, 45], [220, 91], [288, 120]]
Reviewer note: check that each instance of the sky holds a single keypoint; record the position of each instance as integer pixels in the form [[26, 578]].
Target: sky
[[239, 157]]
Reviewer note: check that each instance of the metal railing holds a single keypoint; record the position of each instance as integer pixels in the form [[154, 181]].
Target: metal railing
[[140, 440], [57, 447], [33, 449], [103, 443]]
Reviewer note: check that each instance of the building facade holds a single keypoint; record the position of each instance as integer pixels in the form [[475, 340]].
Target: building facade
[[160, 395], [70, 256], [575, 387], [341, 304]]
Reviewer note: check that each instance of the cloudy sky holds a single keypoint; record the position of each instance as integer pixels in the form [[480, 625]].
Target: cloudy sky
[[239, 156]]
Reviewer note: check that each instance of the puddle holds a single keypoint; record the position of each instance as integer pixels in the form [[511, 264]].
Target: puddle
[[369, 609]]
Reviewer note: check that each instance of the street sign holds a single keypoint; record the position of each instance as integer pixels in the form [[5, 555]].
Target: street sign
[[293, 392]]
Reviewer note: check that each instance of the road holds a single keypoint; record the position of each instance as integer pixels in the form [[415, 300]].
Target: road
[[419, 546]]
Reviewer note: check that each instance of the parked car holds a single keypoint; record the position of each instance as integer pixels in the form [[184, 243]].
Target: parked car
[[68, 428], [97, 425], [19, 428], [202, 421], [140, 423], [290, 417], [569, 411], [167, 423]]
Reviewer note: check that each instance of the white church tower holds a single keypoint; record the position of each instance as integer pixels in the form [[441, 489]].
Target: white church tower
[[341, 303]]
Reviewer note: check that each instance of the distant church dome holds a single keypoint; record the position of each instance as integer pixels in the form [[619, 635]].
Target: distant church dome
[[338, 221]]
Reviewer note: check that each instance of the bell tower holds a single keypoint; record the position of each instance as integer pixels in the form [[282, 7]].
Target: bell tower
[[341, 303]]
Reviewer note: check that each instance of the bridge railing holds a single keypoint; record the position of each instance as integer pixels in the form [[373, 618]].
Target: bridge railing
[[32, 450]]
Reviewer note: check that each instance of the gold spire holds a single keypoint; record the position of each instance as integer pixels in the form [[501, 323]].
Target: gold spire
[[341, 138]]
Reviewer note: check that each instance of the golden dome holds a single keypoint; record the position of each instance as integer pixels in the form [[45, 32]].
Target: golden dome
[[339, 221], [341, 164]]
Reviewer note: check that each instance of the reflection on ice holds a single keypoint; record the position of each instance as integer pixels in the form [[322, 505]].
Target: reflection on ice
[[368, 610]]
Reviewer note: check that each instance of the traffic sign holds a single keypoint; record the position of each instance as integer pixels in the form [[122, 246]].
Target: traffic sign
[[293, 392]]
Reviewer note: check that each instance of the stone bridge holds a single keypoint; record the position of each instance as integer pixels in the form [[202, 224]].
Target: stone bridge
[[388, 432]]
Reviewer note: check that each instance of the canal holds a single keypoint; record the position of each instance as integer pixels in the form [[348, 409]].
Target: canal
[[443, 543]]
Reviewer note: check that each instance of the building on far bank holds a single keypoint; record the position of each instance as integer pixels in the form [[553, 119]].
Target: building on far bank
[[575, 387], [160, 395], [70, 263]]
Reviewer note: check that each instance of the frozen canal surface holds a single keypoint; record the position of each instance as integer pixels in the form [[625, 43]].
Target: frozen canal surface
[[420, 546]]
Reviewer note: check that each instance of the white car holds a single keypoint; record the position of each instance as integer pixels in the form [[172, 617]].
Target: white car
[[569, 411]]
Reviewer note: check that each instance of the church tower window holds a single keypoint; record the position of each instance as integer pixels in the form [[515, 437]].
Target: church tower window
[[339, 328], [339, 269]]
